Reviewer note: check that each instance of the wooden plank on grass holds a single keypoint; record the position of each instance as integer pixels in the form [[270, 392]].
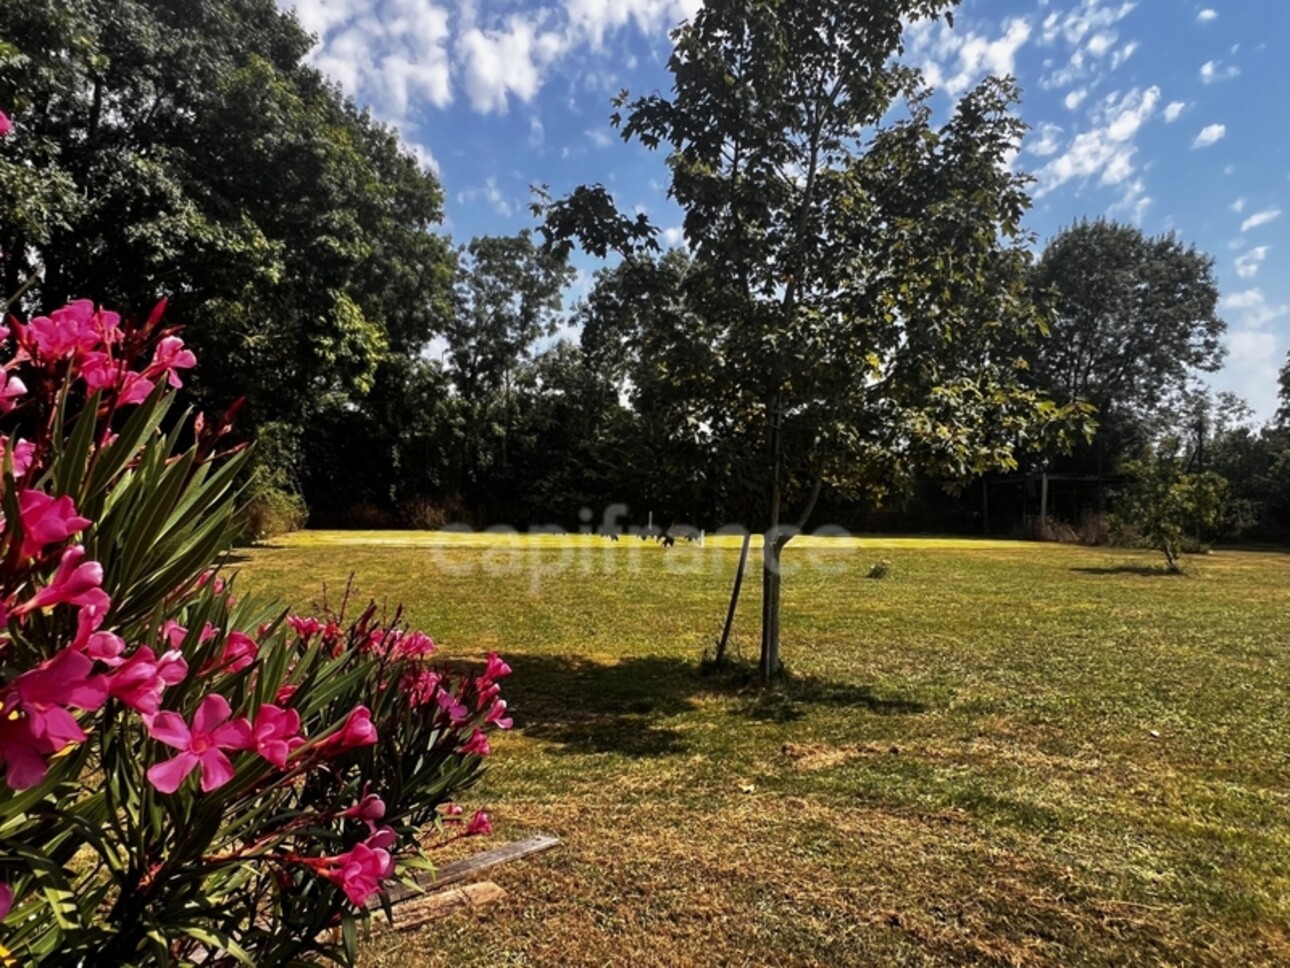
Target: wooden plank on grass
[[461, 870], [431, 907]]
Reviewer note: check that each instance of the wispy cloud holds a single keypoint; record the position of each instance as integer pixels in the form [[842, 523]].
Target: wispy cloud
[[1212, 71], [1247, 266], [1260, 218], [1106, 151], [1209, 135]]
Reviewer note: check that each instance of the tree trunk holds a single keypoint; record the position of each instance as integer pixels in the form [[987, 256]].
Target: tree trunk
[[771, 584], [734, 598]]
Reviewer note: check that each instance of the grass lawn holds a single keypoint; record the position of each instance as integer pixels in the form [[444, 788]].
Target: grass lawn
[[999, 754]]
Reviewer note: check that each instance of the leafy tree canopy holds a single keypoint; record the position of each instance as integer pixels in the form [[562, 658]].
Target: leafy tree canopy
[[182, 147]]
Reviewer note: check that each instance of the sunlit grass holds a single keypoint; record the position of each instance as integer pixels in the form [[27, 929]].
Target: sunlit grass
[[1000, 753]]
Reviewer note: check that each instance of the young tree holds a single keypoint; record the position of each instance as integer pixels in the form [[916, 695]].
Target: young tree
[[859, 270], [1165, 504]]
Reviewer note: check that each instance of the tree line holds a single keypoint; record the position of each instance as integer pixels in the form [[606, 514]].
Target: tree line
[[857, 328]]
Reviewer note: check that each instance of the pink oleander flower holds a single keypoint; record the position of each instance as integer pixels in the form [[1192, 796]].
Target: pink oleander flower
[[452, 811], [276, 734], [285, 692], [168, 357], [369, 809], [10, 392], [215, 581], [240, 652], [304, 627], [101, 372], [5, 127], [25, 757], [140, 680], [76, 582], [414, 645], [360, 871], [457, 713], [24, 452], [420, 686], [357, 731], [46, 520], [45, 693], [496, 668], [102, 646], [175, 634], [477, 745], [64, 332], [480, 825], [203, 745], [497, 716], [6, 892]]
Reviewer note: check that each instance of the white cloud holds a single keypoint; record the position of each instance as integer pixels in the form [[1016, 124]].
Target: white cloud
[[505, 61], [1252, 309], [537, 132], [1134, 202], [599, 138], [954, 59], [399, 55], [1212, 71], [1247, 266], [1123, 54], [1075, 98], [1238, 206], [395, 60], [1046, 141], [1260, 218], [1099, 44], [674, 236], [593, 19], [1086, 32], [1174, 111], [1209, 135], [1087, 17], [1106, 151], [1206, 15]]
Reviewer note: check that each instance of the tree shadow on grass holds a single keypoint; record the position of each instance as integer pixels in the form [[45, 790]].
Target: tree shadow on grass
[[628, 707]]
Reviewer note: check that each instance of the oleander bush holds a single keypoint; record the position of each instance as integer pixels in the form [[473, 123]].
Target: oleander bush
[[187, 775]]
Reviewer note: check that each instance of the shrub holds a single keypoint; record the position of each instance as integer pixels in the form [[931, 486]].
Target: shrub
[[879, 569], [189, 775], [271, 511], [1167, 507]]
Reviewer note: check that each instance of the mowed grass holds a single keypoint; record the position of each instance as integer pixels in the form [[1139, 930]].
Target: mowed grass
[[1002, 753]]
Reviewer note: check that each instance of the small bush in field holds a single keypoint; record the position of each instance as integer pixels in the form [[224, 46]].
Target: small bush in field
[[1167, 507], [879, 569]]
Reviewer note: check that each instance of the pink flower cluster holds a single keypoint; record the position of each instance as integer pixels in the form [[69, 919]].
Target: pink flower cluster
[[47, 703], [88, 343]]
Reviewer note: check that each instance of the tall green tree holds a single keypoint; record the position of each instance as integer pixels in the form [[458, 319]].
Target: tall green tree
[[860, 270], [184, 148], [508, 296], [1133, 317]]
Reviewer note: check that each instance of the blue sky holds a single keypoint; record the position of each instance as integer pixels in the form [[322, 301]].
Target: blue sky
[[1173, 114]]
